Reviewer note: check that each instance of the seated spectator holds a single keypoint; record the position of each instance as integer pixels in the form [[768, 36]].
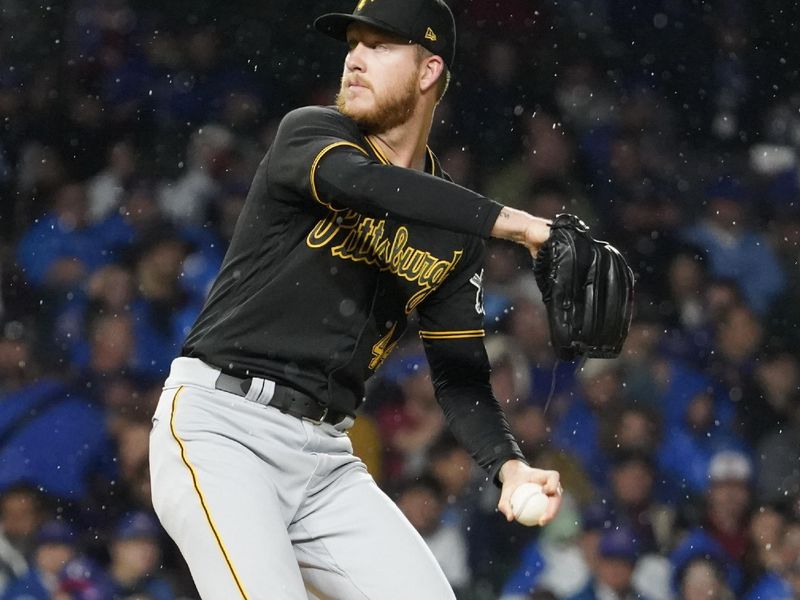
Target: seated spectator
[[531, 427], [612, 574], [110, 375], [163, 311], [56, 545], [83, 579], [769, 406], [186, 201], [421, 500], [633, 200], [643, 356], [790, 543], [722, 527], [684, 311], [409, 427], [112, 353], [548, 154], [200, 267], [768, 523], [62, 248], [701, 579], [505, 276], [777, 375], [737, 349], [135, 558], [23, 509], [766, 559], [577, 430], [106, 188], [59, 253], [109, 293], [549, 379], [728, 501], [688, 444], [470, 506], [453, 468], [139, 206], [111, 348], [630, 501], [679, 383], [510, 377], [51, 436], [558, 564], [698, 545], [735, 249], [17, 343], [145, 221], [511, 381], [793, 576], [632, 427], [130, 433]]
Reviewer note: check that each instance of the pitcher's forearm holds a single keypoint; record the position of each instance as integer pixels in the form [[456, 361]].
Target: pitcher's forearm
[[521, 227]]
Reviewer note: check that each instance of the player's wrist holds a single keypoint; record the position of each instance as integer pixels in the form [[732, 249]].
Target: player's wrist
[[509, 469], [537, 233], [521, 227]]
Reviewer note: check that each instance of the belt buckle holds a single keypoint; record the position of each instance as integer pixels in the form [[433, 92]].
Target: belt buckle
[[321, 418]]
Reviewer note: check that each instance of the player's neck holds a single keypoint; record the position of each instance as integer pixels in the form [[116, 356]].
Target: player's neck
[[405, 145]]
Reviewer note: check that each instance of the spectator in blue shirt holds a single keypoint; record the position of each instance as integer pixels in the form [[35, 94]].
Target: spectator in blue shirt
[[577, 430], [51, 435], [734, 248], [688, 445], [62, 248], [163, 311]]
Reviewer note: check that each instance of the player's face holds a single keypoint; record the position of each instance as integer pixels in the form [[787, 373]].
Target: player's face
[[380, 83]]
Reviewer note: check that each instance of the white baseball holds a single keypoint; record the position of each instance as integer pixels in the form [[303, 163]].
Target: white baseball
[[528, 503]]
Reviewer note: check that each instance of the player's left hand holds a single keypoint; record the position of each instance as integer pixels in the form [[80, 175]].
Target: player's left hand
[[536, 234], [514, 473]]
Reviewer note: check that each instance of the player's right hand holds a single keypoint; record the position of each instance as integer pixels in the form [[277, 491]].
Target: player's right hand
[[514, 473]]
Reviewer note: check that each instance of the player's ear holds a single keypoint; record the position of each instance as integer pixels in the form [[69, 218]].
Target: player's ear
[[432, 69]]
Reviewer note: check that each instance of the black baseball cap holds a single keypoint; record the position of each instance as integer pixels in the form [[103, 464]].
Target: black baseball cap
[[429, 23]]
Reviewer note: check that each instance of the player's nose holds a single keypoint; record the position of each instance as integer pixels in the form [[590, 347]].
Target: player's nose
[[354, 61]]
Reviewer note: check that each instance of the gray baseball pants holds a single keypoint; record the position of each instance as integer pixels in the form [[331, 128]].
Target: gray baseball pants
[[264, 505]]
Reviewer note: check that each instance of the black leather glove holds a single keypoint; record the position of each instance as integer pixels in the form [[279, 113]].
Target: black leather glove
[[587, 288]]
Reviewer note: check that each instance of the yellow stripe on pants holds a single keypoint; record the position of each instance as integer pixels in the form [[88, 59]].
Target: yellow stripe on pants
[[202, 499]]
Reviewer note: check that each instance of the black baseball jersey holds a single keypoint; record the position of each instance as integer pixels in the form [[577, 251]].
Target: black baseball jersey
[[334, 248]]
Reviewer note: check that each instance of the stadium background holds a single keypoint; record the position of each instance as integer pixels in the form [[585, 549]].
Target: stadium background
[[129, 131]]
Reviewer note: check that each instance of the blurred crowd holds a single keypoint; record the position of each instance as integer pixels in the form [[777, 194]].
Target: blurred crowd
[[129, 131]]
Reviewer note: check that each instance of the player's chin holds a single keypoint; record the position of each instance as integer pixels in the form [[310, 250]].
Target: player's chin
[[357, 107], [364, 117]]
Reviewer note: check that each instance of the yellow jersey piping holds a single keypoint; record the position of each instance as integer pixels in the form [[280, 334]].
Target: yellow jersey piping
[[314, 164], [381, 156], [433, 160], [451, 335]]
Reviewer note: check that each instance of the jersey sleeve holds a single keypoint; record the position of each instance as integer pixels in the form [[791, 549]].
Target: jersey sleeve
[[318, 154], [451, 328]]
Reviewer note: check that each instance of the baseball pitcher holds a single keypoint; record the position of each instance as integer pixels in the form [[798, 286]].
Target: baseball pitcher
[[350, 225]]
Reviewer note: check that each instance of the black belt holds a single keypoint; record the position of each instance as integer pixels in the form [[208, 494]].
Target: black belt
[[285, 399]]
